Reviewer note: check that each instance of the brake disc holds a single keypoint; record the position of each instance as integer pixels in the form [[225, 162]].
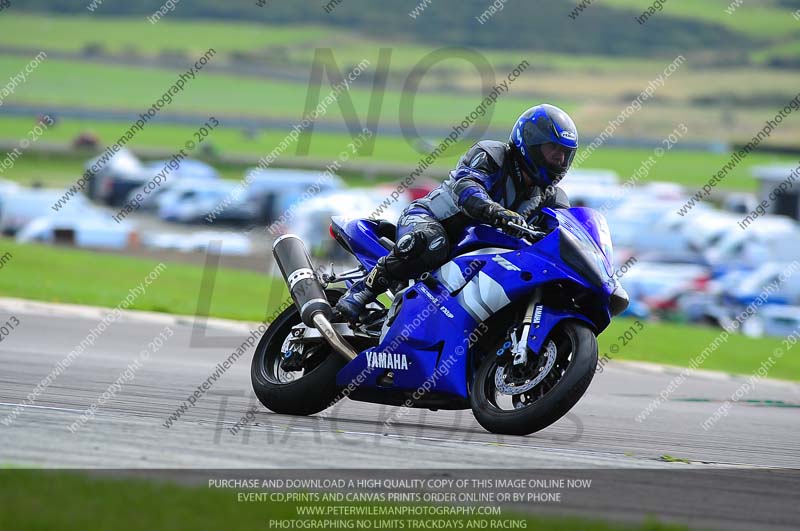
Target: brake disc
[[512, 389]]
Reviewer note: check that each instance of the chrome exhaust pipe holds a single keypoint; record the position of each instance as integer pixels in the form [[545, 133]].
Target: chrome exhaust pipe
[[333, 338], [307, 291]]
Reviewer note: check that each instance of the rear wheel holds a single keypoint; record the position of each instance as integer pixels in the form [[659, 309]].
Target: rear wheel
[[306, 391], [522, 399]]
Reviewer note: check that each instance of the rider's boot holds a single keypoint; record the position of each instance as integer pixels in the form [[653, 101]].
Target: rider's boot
[[364, 291]]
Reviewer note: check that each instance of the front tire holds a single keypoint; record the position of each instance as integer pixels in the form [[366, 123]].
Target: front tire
[[315, 390], [549, 400]]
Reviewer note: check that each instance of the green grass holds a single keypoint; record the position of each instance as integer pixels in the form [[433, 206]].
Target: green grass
[[691, 168], [69, 501], [672, 459], [103, 86], [124, 34], [678, 344], [787, 48], [325, 147], [100, 279], [757, 18], [54, 274], [296, 44], [60, 170]]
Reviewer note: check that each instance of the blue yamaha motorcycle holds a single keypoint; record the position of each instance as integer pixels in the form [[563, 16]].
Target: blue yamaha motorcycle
[[507, 327]]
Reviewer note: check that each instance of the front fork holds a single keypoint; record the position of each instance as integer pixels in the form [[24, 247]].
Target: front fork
[[519, 347]]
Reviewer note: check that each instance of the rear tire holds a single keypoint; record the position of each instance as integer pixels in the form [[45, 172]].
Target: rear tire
[[315, 390], [556, 401]]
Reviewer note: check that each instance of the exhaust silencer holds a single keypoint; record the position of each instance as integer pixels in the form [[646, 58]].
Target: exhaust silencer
[[307, 292], [305, 288]]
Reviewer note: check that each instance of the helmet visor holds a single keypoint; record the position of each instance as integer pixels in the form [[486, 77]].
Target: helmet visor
[[557, 158]]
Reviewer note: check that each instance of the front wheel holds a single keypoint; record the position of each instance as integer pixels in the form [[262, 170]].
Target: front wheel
[[520, 400]]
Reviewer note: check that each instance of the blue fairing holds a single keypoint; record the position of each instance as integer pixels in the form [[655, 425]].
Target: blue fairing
[[427, 345], [361, 236]]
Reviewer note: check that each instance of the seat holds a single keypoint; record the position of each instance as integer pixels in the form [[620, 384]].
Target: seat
[[387, 234], [387, 229]]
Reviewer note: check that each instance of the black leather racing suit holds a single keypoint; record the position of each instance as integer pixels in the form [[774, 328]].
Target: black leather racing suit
[[488, 172]]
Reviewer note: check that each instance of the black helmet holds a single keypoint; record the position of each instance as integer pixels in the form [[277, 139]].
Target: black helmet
[[540, 125]]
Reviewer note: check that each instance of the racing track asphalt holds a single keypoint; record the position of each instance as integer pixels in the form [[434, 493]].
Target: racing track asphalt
[[128, 431]]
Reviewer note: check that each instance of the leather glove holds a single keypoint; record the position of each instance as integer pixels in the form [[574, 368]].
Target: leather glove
[[502, 217]]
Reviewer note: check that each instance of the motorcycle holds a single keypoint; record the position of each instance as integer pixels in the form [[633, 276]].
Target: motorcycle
[[507, 327]]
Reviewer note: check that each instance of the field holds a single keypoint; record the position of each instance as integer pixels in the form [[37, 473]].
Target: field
[[102, 86], [293, 45], [691, 168], [125, 64], [758, 18], [766, 20]]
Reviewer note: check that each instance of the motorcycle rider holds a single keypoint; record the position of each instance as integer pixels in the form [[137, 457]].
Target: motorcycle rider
[[497, 183]]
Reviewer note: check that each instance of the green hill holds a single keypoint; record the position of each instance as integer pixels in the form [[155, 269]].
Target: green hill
[[603, 28]]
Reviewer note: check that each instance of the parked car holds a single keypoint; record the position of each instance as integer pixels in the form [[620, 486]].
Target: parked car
[[650, 227], [116, 177], [192, 205], [81, 230], [752, 284], [223, 243], [758, 243], [597, 189], [705, 229], [20, 206], [660, 286], [739, 203], [773, 320], [702, 308], [187, 169], [276, 190], [190, 172]]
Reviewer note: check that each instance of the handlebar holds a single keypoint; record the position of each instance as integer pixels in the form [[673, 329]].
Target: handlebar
[[536, 235]]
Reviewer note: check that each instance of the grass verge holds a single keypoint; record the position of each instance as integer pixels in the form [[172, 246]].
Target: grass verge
[[53, 274], [677, 344]]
